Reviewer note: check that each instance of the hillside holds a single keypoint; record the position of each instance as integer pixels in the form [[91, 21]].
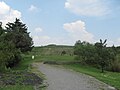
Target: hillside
[[52, 50]]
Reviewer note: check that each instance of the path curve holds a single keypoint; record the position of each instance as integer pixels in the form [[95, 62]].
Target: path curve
[[65, 79]]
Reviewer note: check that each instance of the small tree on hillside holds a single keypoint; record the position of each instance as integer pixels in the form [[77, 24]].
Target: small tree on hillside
[[63, 52]]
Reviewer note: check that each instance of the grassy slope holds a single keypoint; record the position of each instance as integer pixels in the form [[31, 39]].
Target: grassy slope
[[52, 50]]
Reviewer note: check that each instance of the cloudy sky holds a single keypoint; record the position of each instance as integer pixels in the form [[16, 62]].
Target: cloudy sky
[[65, 21]]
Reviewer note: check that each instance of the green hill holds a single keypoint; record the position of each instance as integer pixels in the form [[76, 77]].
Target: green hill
[[53, 50]]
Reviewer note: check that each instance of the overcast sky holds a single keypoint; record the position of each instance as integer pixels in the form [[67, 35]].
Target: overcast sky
[[65, 21]]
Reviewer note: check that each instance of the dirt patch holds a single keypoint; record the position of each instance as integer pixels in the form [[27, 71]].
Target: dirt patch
[[21, 78]]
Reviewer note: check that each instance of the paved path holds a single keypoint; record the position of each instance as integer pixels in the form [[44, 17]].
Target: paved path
[[59, 78]]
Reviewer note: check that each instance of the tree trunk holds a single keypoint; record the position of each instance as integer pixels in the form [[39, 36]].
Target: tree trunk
[[102, 69]]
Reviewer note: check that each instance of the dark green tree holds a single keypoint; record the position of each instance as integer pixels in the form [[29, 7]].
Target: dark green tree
[[85, 52], [63, 52], [1, 29], [17, 33], [103, 54], [9, 54]]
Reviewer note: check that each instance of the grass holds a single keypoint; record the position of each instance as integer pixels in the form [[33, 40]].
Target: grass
[[110, 78], [66, 58], [24, 64], [17, 87]]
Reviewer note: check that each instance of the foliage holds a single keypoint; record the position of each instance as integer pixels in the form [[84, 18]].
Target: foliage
[[85, 51], [9, 55], [103, 54], [115, 66], [63, 52], [97, 55], [13, 40], [17, 33]]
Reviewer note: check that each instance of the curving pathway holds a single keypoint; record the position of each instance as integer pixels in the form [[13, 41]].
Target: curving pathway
[[59, 78]]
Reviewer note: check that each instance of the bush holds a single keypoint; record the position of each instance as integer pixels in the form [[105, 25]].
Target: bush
[[115, 67], [10, 56]]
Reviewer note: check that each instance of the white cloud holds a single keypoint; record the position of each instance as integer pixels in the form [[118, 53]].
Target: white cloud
[[7, 14], [38, 29], [88, 7], [41, 40], [33, 8], [4, 8], [118, 40], [78, 31], [115, 42], [46, 40]]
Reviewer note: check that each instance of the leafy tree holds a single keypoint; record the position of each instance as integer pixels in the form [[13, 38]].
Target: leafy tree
[[9, 54], [76, 47], [13, 40], [85, 51], [103, 54], [17, 33], [98, 55]]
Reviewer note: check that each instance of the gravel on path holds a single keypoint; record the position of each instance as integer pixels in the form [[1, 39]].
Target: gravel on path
[[65, 79]]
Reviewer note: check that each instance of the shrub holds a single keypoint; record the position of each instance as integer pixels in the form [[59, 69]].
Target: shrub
[[115, 66], [10, 56]]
